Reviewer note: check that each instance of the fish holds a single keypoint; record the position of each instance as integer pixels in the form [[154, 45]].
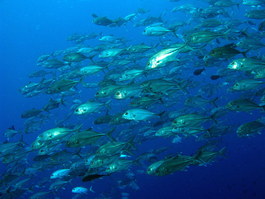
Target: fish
[[61, 85], [74, 57], [246, 84], [192, 119], [92, 177], [80, 190], [131, 74], [113, 52], [226, 51], [156, 30], [207, 154], [250, 128], [90, 107], [243, 104], [60, 173], [255, 14], [112, 148], [11, 132], [138, 114], [162, 58], [31, 113], [116, 102], [246, 64], [50, 135], [170, 165], [102, 21], [87, 137], [198, 71], [119, 165], [53, 104], [253, 2], [127, 92], [53, 64], [204, 36]]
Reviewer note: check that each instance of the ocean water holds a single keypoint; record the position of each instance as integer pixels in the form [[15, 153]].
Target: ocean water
[[31, 28]]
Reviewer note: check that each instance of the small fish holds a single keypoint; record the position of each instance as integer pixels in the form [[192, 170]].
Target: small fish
[[198, 71], [215, 77], [91, 177], [80, 190]]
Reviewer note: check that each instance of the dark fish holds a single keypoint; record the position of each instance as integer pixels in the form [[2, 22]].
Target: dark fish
[[31, 113], [93, 177], [101, 21], [226, 51], [61, 85], [198, 71], [53, 104], [215, 77], [40, 157]]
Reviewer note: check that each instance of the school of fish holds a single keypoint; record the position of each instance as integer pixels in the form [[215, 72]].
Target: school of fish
[[107, 96]]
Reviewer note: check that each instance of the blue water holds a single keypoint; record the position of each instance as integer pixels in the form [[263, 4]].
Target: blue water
[[31, 28]]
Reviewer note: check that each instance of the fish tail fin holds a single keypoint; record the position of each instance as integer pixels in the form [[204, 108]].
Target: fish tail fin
[[78, 153], [222, 151], [131, 143], [183, 86], [245, 53], [213, 102], [161, 114], [91, 58], [62, 101], [137, 161], [161, 100], [213, 117], [78, 127], [109, 134], [107, 104], [145, 72]]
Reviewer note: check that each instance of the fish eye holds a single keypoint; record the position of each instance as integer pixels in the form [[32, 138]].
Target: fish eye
[[126, 113]]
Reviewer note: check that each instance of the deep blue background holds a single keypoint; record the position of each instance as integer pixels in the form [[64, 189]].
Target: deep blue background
[[31, 28]]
